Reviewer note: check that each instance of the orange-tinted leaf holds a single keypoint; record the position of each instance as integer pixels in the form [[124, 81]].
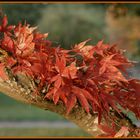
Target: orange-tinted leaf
[[38, 36], [4, 28], [53, 79], [8, 44], [60, 63], [81, 45], [49, 94], [71, 103], [105, 63], [3, 75], [99, 44], [10, 61], [36, 68], [57, 84], [57, 95], [70, 71], [82, 99], [29, 39], [64, 98]]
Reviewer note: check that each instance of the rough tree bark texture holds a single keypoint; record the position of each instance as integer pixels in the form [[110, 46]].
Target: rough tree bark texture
[[88, 122]]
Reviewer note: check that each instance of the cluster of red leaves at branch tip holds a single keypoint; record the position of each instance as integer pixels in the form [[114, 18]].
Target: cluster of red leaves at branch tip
[[92, 76]]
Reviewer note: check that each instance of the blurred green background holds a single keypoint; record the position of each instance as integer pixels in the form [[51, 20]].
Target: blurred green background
[[68, 24]]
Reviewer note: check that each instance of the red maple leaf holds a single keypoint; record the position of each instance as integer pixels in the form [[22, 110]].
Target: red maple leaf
[[4, 26], [3, 75], [8, 44]]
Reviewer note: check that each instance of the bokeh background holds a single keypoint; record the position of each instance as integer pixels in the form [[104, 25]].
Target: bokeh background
[[68, 24]]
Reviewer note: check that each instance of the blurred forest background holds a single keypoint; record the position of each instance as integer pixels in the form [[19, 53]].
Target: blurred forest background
[[68, 24]]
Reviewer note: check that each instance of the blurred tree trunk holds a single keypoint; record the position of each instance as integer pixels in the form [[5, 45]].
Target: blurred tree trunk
[[88, 122]]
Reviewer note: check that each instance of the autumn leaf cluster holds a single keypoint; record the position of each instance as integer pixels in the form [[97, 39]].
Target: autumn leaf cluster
[[91, 76]]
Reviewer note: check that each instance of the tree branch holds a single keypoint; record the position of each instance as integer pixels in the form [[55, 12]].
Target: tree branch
[[88, 122]]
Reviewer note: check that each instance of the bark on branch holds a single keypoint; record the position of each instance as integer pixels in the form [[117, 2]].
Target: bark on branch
[[88, 122]]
